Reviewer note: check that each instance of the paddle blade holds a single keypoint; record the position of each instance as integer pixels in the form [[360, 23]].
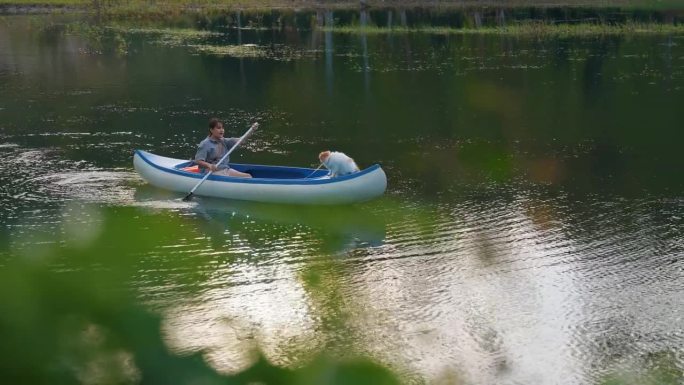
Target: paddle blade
[[188, 197]]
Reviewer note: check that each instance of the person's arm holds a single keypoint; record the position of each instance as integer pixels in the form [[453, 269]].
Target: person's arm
[[201, 156], [211, 167], [230, 142], [249, 133]]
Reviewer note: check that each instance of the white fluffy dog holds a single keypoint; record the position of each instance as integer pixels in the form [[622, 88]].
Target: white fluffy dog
[[338, 163]]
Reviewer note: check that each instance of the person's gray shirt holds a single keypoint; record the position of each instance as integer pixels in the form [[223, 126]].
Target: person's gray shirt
[[211, 151]]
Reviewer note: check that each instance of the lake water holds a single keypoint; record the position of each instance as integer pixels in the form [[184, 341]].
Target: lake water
[[531, 232]]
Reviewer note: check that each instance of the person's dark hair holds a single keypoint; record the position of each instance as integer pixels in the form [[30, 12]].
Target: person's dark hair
[[213, 122]]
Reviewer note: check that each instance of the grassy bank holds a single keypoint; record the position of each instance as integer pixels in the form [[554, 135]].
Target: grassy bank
[[390, 16], [170, 5]]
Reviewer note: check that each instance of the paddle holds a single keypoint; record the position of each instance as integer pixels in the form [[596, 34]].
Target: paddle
[[190, 194], [314, 171]]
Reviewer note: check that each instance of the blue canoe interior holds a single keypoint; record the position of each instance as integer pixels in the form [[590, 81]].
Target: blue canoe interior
[[263, 171]]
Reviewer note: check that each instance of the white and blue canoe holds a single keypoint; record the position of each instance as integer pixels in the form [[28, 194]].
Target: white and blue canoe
[[278, 184]]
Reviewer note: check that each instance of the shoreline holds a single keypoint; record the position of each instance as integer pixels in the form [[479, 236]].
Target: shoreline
[[189, 6], [441, 19]]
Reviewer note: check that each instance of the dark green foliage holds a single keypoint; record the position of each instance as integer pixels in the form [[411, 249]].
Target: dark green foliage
[[70, 317]]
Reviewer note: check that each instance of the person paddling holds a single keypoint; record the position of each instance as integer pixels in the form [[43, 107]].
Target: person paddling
[[212, 148]]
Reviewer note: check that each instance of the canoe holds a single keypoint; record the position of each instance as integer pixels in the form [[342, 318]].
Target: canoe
[[276, 184]]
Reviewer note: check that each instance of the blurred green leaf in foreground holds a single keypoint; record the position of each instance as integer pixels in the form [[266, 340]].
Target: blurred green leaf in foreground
[[69, 317]]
